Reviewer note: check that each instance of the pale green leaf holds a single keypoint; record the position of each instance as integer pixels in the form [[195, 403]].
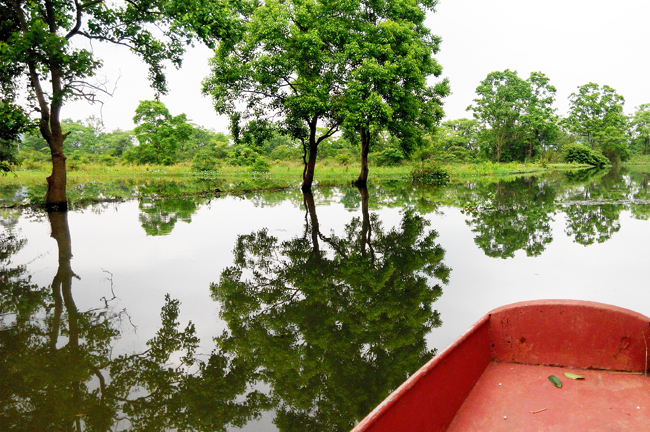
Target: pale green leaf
[[573, 376]]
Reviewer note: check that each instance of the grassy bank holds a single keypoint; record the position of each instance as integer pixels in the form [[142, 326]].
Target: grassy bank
[[97, 183]]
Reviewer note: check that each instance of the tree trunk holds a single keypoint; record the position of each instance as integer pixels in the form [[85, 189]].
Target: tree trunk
[[308, 175], [56, 199], [362, 181]]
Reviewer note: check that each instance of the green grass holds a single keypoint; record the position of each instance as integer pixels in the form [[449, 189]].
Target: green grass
[[639, 160], [97, 183]]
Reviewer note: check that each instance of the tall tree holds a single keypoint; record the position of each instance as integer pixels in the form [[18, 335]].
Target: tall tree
[[38, 57], [540, 121], [592, 110], [461, 132], [641, 127], [288, 65], [390, 55], [517, 114], [159, 133], [499, 106]]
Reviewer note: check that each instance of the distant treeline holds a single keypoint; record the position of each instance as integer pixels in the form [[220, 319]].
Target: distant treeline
[[513, 121]]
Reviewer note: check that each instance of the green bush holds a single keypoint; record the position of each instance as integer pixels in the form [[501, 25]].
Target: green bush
[[579, 153], [204, 161], [107, 159], [390, 157], [285, 153], [261, 165], [429, 173], [344, 156]]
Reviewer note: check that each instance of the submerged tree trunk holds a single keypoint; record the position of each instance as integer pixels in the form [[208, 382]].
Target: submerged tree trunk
[[56, 199], [362, 181], [308, 176], [310, 163], [310, 168]]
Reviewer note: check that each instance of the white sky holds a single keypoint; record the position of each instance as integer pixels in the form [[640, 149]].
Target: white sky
[[572, 41]]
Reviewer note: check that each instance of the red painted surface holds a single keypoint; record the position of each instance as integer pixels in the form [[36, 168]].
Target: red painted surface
[[569, 333], [509, 396], [430, 398], [565, 333]]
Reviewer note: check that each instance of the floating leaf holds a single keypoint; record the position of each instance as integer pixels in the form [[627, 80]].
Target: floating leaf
[[555, 381], [573, 376]]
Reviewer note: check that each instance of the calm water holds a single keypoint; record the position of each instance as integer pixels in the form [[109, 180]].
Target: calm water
[[286, 312]]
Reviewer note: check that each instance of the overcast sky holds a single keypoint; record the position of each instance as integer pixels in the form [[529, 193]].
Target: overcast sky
[[572, 41]]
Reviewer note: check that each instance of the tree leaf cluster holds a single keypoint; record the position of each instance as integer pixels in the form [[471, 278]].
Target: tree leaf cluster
[[517, 116]]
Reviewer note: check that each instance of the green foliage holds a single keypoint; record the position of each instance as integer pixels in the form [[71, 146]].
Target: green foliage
[[7, 155], [429, 172], [205, 160], [13, 123], [596, 115], [285, 153], [579, 153], [242, 156], [640, 128], [614, 144], [390, 51], [261, 165], [201, 139], [158, 133], [389, 157], [516, 114], [461, 133]]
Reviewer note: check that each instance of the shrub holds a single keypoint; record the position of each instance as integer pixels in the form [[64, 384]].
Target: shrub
[[344, 157], [261, 165], [204, 161], [579, 153], [285, 153], [107, 159], [429, 173], [390, 157]]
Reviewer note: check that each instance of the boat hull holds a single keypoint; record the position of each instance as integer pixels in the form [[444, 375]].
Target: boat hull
[[564, 334]]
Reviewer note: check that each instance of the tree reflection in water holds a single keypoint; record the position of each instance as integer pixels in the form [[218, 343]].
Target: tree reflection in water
[[513, 216], [57, 371], [332, 323]]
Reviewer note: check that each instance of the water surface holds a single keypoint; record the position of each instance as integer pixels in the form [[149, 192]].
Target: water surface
[[305, 311]]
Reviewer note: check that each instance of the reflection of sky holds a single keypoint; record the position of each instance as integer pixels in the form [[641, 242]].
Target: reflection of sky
[[613, 272], [185, 262]]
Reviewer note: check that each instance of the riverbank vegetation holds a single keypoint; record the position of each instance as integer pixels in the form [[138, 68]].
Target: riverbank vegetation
[[532, 136], [350, 88]]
